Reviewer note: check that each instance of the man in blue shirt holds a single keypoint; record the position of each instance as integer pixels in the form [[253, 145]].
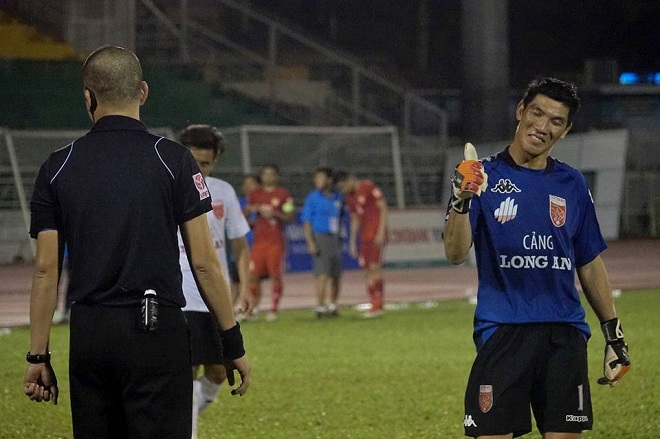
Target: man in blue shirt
[[533, 225], [322, 217]]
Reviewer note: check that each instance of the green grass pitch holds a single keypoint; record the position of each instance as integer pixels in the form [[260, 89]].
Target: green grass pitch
[[401, 376]]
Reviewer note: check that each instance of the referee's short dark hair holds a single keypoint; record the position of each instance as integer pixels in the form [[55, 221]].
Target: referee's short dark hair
[[113, 74], [328, 171], [341, 175], [203, 136]]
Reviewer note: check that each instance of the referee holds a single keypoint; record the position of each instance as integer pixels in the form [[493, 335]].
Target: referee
[[116, 197], [322, 216]]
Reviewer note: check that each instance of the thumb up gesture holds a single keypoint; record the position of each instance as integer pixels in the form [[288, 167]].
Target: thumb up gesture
[[469, 177]]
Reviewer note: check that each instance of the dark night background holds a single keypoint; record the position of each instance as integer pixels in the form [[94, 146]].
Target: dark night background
[[545, 37]]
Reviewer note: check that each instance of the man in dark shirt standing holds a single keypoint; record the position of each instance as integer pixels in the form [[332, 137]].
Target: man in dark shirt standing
[[116, 197]]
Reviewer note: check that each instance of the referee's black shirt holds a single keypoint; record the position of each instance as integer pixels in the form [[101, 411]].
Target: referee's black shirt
[[117, 196]]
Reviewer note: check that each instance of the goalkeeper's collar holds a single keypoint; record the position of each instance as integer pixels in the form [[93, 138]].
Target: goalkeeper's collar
[[549, 166]]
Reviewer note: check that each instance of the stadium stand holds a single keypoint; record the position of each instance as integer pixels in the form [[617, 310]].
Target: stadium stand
[[22, 41], [46, 94]]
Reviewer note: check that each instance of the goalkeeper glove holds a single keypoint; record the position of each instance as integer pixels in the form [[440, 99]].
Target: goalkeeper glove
[[469, 179], [617, 360]]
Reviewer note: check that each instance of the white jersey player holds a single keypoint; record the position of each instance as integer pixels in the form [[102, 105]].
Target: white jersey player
[[226, 223]]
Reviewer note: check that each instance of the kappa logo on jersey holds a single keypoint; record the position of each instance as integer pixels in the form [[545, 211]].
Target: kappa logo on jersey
[[200, 184], [507, 211], [469, 422], [485, 398], [218, 209], [505, 186], [557, 210]]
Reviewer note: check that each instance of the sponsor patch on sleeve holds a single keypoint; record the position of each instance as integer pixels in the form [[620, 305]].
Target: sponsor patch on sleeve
[[200, 184]]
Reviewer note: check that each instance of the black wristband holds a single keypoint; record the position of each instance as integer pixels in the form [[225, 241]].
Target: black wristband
[[612, 330], [38, 359], [232, 343], [460, 205]]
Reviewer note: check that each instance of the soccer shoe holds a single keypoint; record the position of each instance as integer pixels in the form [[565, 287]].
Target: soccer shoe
[[373, 314], [253, 316], [321, 311], [271, 317], [332, 310]]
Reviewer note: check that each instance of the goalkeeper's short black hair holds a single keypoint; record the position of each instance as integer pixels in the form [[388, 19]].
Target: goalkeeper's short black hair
[[556, 89], [204, 137]]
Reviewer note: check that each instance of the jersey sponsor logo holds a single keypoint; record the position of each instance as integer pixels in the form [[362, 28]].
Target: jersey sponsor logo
[[535, 261], [557, 210], [200, 184], [577, 418], [507, 211], [218, 209], [538, 242], [469, 422], [485, 398], [505, 186]]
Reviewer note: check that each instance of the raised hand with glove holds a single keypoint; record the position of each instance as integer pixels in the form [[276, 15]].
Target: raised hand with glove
[[617, 360], [469, 179]]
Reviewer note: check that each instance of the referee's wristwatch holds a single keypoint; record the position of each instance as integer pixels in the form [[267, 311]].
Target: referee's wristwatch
[[38, 358]]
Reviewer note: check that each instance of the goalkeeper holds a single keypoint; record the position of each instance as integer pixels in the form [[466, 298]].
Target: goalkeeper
[[533, 224]]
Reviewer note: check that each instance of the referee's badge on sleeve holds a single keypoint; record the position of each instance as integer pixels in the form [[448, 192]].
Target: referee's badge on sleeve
[[200, 184]]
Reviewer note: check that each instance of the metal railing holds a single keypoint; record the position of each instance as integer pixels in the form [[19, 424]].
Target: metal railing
[[360, 96], [231, 43]]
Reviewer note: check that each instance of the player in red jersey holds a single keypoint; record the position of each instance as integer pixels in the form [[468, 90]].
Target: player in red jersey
[[274, 207], [368, 215]]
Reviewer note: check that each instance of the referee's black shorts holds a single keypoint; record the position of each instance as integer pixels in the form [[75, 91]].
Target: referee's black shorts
[[126, 382], [539, 365], [205, 342]]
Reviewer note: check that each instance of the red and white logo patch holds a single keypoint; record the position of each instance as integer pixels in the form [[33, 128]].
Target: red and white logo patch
[[200, 184], [218, 209], [557, 210], [485, 398]]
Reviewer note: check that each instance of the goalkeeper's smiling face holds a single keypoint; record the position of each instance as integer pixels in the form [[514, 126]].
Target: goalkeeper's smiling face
[[540, 125]]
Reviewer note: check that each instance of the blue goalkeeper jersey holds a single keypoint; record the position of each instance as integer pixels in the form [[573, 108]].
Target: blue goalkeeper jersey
[[531, 229]]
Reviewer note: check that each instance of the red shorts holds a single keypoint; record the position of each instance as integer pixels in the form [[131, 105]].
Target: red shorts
[[266, 261], [370, 254]]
